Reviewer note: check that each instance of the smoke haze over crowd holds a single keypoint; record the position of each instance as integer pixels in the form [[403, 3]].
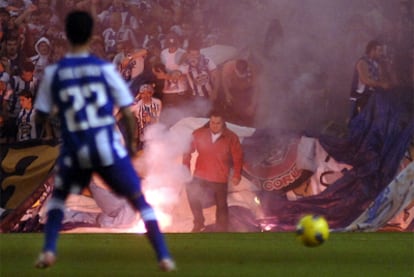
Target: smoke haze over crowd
[[306, 76]]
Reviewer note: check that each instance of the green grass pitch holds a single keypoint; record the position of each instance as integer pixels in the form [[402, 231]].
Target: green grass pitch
[[214, 254]]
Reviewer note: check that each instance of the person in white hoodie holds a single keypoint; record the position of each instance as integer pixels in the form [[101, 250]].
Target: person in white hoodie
[[43, 57]]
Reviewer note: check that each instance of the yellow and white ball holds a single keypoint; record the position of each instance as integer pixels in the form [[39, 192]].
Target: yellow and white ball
[[312, 230]]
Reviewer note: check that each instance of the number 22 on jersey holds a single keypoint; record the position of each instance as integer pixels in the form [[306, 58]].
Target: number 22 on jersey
[[86, 109]]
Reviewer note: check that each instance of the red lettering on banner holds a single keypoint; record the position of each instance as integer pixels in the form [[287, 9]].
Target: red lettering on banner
[[282, 180]]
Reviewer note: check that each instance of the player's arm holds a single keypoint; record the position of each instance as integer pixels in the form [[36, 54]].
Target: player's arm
[[44, 101], [123, 99]]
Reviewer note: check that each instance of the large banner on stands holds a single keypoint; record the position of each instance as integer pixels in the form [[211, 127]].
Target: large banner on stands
[[24, 171], [270, 161]]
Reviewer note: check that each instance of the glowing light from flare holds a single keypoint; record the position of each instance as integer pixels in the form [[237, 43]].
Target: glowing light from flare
[[164, 221], [164, 174]]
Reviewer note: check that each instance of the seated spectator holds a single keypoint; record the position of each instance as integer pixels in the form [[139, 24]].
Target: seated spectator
[[117, 33], [34, 29], [131, 66], [48, 17], [4, 19], [58, 50], [175, 94], [172, 54], [151, 32], [55, 32], [4, 75], [12, 54], [11, 103], [118, 6], [163, 14], [43, 57], [153, 62], [147, 111], [141, 63], [184, 32], [368, 77], [16, 7], [46, 4], [203, 80], [153, 47], [127, 54], [27, 128], [94, 7]]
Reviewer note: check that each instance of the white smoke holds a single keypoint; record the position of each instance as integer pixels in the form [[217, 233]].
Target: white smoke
[[329, 35], [163, 173], [161, 161]]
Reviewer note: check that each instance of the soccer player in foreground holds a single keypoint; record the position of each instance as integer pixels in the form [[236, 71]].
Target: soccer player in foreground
[[84, 90]]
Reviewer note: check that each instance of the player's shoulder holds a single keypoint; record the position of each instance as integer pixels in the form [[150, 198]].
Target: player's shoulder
[[81, 58], [92, 60]]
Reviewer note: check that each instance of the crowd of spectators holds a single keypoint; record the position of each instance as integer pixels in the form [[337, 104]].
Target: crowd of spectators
[[157, 47], [150, 42], [161, 42]]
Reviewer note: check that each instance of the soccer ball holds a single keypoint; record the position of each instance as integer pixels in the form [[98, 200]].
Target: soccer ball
[[312, 230]]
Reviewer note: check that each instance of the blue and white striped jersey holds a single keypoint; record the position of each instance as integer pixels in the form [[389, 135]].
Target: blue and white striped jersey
[[84, 90]]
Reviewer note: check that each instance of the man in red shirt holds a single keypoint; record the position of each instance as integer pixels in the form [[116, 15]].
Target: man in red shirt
[[219, 151]]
